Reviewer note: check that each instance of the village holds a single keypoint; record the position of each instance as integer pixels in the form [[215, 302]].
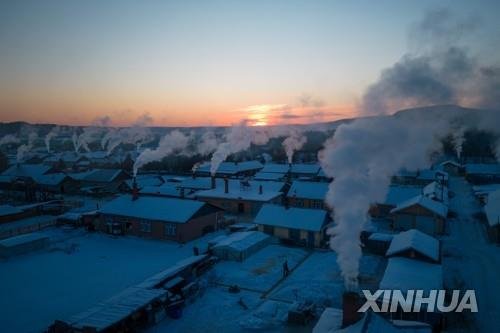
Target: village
[[87, 245]]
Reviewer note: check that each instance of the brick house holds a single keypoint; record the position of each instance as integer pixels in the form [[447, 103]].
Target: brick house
[[158, 217]]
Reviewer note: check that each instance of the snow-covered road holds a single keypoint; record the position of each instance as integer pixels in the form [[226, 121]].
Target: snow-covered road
[[471, 259]]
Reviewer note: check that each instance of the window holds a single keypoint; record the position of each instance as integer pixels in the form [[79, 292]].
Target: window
[[145, 226], [170, 229]]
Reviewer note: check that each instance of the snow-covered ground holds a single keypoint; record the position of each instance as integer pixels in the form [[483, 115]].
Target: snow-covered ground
[[265, 294], [470, 261], [78, 271], [318, 279], [260, 271]]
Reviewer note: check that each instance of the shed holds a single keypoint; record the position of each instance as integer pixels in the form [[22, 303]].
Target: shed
[[238, 246], [22, 244]]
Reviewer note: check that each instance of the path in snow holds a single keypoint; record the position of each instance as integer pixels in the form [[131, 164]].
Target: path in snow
[[470, 257]]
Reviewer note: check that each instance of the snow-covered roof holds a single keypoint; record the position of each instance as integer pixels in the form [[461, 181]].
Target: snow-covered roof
[[116, 308], [428, 174], [231, 168], [450, 162], [415, 240], [293, 218], [236, 190], [308, 190], [153, 208], [69, 157], [200, 183], [242, 240], [9, 210], [487, 169], [310, 169], [22, 239], [436, 191], [400, 193], [102, 175], [485, 189], [492, 208], [269, 176], [433, 206], [378, 236], [167, 190], [51, 179], [276, 168], [145, 180], [168, 273], [406, 274], [27, 170]]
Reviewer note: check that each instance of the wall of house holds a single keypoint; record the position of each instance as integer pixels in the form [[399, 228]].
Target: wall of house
[[284, 233], [250, 208], [428, 224], [185, 232], [306, 203]]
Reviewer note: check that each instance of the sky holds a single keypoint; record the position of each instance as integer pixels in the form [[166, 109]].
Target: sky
[[197, 63]]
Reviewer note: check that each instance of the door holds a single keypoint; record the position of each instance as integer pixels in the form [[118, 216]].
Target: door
[[241, 207], [310, 239]]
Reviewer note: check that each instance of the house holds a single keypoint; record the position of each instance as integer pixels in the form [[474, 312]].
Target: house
[[451, 167], [405, 274], [281, 169], [395, 195], [241, 197], [297, 225], [102, 180], [482, 173], [420, 213], [246, 168], [158, 217], [492, 212], [30, 171], [65, 160], [305, 171], [415, 244], [57, 183], [378, 243], [261, 175], [420, 177], [304, 194], [238, 246]]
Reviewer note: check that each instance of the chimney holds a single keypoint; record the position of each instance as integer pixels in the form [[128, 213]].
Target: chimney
[[181, 192], [226, 185], [213, 182], [350, 307], [260, 189], [193, 175], [135, 191]]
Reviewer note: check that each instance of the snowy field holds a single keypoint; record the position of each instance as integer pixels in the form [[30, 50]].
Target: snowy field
[[261, 270], [79, 270]]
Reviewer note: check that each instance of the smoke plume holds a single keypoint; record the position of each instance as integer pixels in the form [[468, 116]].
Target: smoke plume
[[173, 141], [53, 132], [23, 149], [363, 155], [438, 70], [9, 138], [294, 142]]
